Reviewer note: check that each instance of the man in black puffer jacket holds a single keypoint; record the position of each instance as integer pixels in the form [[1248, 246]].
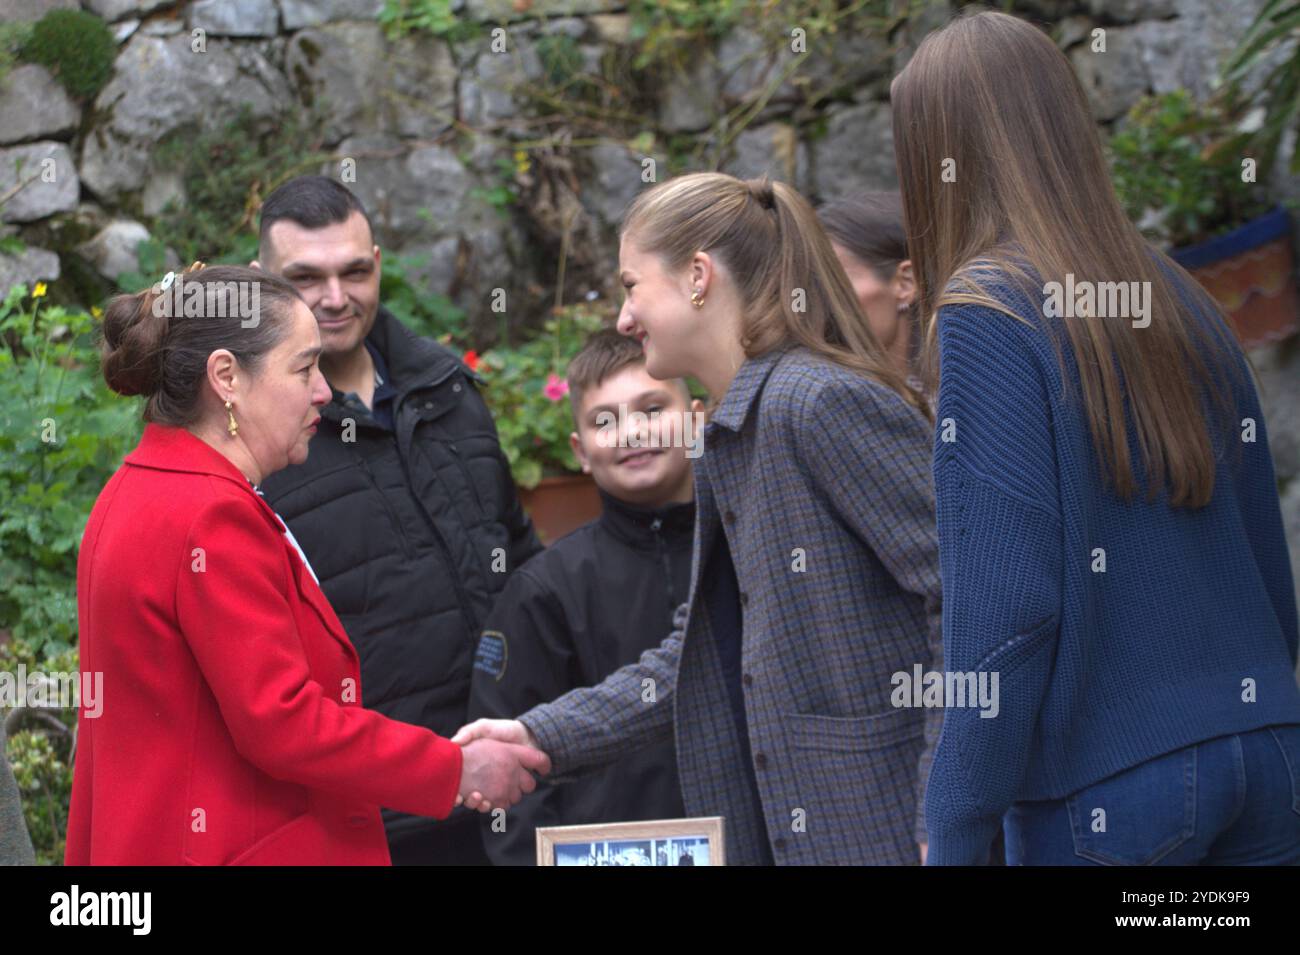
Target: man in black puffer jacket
[[405, 506]]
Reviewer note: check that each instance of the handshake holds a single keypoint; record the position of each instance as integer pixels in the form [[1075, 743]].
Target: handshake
[[499, 758]]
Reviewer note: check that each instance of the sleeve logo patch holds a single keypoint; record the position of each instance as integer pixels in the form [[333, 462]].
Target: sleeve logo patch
[[492, 654]]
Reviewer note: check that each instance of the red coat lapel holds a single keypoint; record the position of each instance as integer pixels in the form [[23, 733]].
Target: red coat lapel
[[175, 449]]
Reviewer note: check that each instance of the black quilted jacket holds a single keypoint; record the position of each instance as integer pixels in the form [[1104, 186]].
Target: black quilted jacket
[[412, 532]]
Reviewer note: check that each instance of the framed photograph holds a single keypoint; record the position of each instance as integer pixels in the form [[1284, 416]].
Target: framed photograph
[[662, 842]]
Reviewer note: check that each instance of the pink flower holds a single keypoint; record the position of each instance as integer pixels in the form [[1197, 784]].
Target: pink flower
[[556, 387]]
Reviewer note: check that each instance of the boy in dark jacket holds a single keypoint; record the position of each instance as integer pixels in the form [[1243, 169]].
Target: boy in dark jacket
[[604, 594]]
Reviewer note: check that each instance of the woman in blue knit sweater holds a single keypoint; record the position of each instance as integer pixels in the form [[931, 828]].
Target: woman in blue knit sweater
[[1110, 536]]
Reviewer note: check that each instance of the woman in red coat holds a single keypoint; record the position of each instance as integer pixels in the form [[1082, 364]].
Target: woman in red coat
[[232, 730]]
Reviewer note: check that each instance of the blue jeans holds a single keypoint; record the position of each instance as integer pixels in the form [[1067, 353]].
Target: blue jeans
[[1233, 800]]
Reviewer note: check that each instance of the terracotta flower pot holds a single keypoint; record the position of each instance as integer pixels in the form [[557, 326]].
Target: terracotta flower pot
[[1251, 273], [558, 505]]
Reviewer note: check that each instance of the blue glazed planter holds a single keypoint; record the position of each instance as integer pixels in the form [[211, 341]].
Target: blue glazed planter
[[1251, 273], [1268, 227]]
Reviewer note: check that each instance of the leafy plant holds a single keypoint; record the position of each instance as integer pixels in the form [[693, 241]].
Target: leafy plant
[[1276, 25], [1176, 166], [665, 29], [226, 173], [76, 47], [400, 17], [411, 302], [40, 749], [62, 434], [527, 394], [13, 36], [503, 194], [151, 261], [151, 255], [561, 59]]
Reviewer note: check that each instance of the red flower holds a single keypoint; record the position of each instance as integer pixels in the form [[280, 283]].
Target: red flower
[[556, 387], [471, 358]]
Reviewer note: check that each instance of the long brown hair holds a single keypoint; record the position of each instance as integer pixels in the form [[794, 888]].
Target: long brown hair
[[793, 289], [992, 100]]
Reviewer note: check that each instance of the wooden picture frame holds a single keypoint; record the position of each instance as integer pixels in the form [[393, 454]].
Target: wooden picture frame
[[698, 841]]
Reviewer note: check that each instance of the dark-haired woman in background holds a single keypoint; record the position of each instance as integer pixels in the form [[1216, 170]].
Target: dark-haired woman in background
[[232, 729], [868, 237], [1109, 527]]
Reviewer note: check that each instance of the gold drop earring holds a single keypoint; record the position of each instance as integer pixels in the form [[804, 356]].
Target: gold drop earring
[[697, 298], [233, 427]]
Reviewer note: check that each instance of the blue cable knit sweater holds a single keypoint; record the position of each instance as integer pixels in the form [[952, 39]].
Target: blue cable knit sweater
[[1188, 633]]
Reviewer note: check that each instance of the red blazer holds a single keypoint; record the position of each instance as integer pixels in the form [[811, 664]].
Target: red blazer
[[231, 730]]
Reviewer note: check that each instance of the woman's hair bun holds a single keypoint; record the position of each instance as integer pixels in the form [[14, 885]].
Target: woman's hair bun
[[132, 351]]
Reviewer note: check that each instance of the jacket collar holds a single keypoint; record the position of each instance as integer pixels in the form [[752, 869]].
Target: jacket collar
[[165, 448], [745, 388], [639, 526], [413, 362]]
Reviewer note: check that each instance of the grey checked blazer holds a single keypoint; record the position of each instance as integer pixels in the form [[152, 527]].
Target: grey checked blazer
[[804, 462]]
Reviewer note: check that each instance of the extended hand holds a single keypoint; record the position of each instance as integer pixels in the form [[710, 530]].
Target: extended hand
[[507, 731], [495, 773]]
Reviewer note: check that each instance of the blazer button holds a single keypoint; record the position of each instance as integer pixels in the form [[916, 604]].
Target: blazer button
[[729, 518], [779, 845], [744, 599], [760, 760], [747, 680]]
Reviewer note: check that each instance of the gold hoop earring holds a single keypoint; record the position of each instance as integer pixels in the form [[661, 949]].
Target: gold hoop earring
[[697, 298], [233, 427]]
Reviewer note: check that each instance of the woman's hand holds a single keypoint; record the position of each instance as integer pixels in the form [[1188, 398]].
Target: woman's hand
[[499, 760]]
